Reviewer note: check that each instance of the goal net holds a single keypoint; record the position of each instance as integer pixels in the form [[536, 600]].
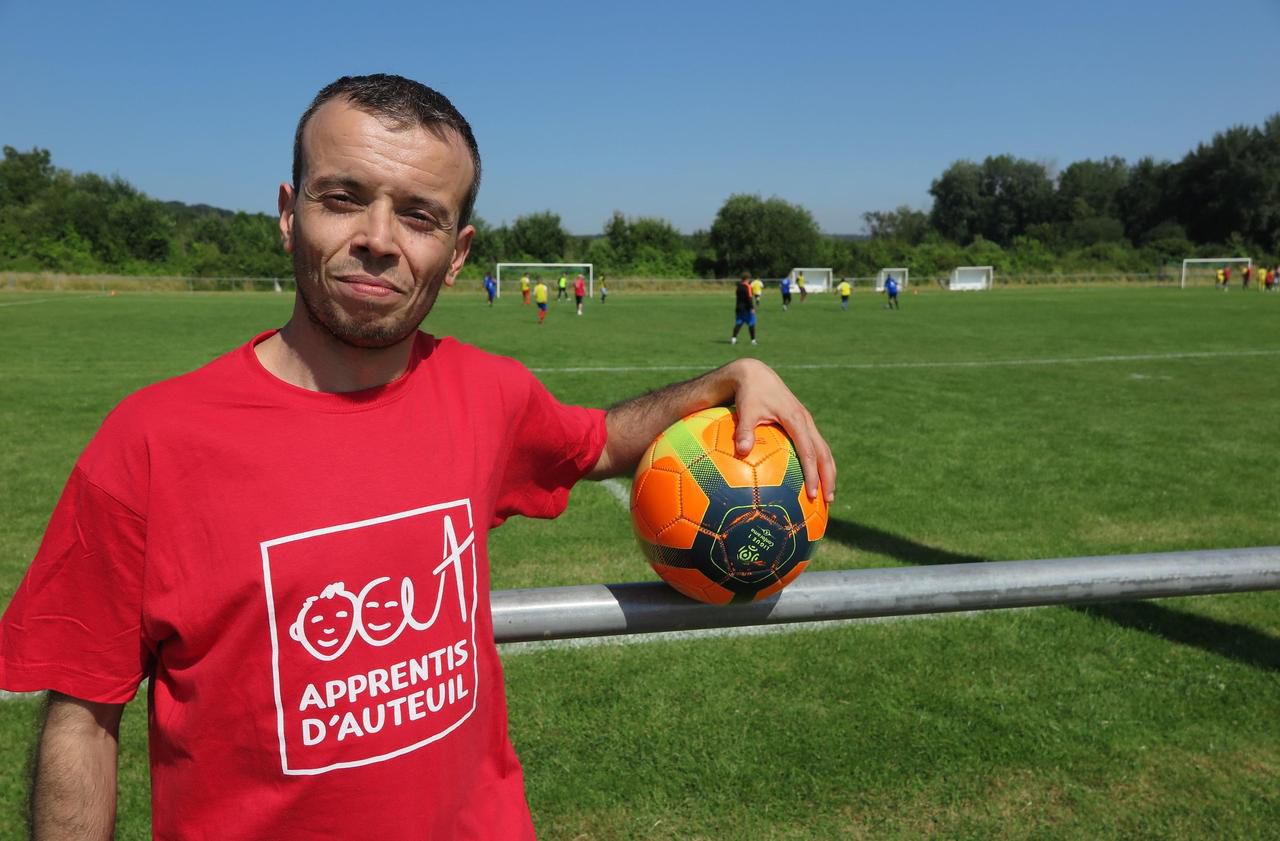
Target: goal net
[[1203, 271], [549, 272], [966, 278], [814, 280], [899, 275]]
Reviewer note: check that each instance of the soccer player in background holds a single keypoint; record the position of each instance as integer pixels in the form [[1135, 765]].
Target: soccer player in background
[[891, 292], [757, 289], [785, 287], [579, 291], [604, 288], [1246, 276], [490, 287], [1270, 281], [845, 290], [562, 290], [804, 293], [1220, 282], [1226, 277], [540, 297], [744, 309], [524, 288]]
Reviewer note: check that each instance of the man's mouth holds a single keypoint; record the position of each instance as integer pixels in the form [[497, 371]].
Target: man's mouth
[[374, 287]]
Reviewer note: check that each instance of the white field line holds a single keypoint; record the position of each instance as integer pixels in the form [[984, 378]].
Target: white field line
[[976, 363], [619, 491], [60, 298]]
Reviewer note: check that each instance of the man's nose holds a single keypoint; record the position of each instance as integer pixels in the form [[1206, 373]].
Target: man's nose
[[377, 233]]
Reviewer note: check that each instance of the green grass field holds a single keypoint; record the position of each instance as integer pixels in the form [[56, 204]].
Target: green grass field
[[1012, 424]]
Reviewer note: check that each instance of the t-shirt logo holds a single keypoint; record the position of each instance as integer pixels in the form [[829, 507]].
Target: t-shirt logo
[[372, 636]]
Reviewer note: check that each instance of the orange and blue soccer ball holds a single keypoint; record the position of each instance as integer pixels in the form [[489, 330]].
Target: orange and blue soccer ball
[[719, 528]]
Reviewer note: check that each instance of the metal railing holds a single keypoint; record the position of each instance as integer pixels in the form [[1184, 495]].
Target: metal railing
[[641, 608]]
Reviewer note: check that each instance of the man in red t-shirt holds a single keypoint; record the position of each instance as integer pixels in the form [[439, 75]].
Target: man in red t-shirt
[[290, 542], [579, 291]]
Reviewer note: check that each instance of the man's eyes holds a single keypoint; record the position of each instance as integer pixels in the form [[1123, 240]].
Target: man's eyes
[[346, 201]]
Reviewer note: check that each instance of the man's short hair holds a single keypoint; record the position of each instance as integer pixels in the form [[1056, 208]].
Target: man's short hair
[[405, 103]]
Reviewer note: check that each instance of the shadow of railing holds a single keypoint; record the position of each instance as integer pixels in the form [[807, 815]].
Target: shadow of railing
[[1231, 640]]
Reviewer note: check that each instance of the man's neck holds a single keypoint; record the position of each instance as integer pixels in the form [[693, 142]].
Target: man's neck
[[310, 357]]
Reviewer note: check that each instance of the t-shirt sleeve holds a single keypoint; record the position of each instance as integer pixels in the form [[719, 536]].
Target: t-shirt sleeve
[[74, 624], [554, 446]]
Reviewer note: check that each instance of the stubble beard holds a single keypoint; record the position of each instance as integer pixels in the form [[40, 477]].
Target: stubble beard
[[375, 330]]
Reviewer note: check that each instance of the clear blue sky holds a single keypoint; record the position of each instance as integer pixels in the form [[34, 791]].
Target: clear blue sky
[[655, 109]]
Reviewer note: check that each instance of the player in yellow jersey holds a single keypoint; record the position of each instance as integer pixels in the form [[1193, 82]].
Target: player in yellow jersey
[[757, 289], [800, 285], [540, 298], [524, 288], [845, 290]]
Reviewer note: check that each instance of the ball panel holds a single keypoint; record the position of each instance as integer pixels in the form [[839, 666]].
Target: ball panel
[[679, 535], [786, 579], [731, 471], [694, 584], [719, 437], [813, 514], [694, 501], [656, 502], [771, 469]]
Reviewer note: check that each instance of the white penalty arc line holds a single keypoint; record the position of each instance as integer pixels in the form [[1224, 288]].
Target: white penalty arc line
[[873, 366]]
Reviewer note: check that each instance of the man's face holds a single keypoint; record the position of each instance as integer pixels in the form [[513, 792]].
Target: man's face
[[373, 228]]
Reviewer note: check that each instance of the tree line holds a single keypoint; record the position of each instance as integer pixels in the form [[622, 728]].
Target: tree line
[[1021, 216]]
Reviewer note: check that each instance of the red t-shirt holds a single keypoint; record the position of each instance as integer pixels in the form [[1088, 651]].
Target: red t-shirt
[[579, 286], [304, 577]]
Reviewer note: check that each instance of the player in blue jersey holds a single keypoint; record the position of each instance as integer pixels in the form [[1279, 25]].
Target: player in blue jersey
[[891, 291], [785, 285], [490, 288]]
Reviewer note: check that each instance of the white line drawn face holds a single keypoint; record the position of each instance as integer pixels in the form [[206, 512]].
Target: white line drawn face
[[384, 610], [327, 623]]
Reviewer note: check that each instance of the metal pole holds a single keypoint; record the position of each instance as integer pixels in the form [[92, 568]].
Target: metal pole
[[604, 609]]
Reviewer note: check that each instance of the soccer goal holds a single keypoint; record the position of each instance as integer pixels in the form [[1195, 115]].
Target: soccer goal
[[899, 275], [1201, 271], [815, 280], [966, 278]]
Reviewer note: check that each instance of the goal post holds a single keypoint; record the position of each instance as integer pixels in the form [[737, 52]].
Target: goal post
[[971, 278], [815, 280], [513, 271], [899, 275], [1199, 271]]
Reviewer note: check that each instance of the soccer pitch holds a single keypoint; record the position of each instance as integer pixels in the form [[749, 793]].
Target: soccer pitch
[[1012, 424]]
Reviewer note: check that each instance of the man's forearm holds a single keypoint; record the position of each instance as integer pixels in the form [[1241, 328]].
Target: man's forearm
[[761, 397], [74, 791], [632, 425]]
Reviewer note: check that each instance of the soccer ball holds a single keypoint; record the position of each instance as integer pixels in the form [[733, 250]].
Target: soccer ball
[[718, 528]]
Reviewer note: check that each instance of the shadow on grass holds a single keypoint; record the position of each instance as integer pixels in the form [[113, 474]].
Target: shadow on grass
[[1226, 639]]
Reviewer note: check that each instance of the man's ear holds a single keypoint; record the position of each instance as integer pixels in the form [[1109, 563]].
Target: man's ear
[[461, 248], [285, 204]]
